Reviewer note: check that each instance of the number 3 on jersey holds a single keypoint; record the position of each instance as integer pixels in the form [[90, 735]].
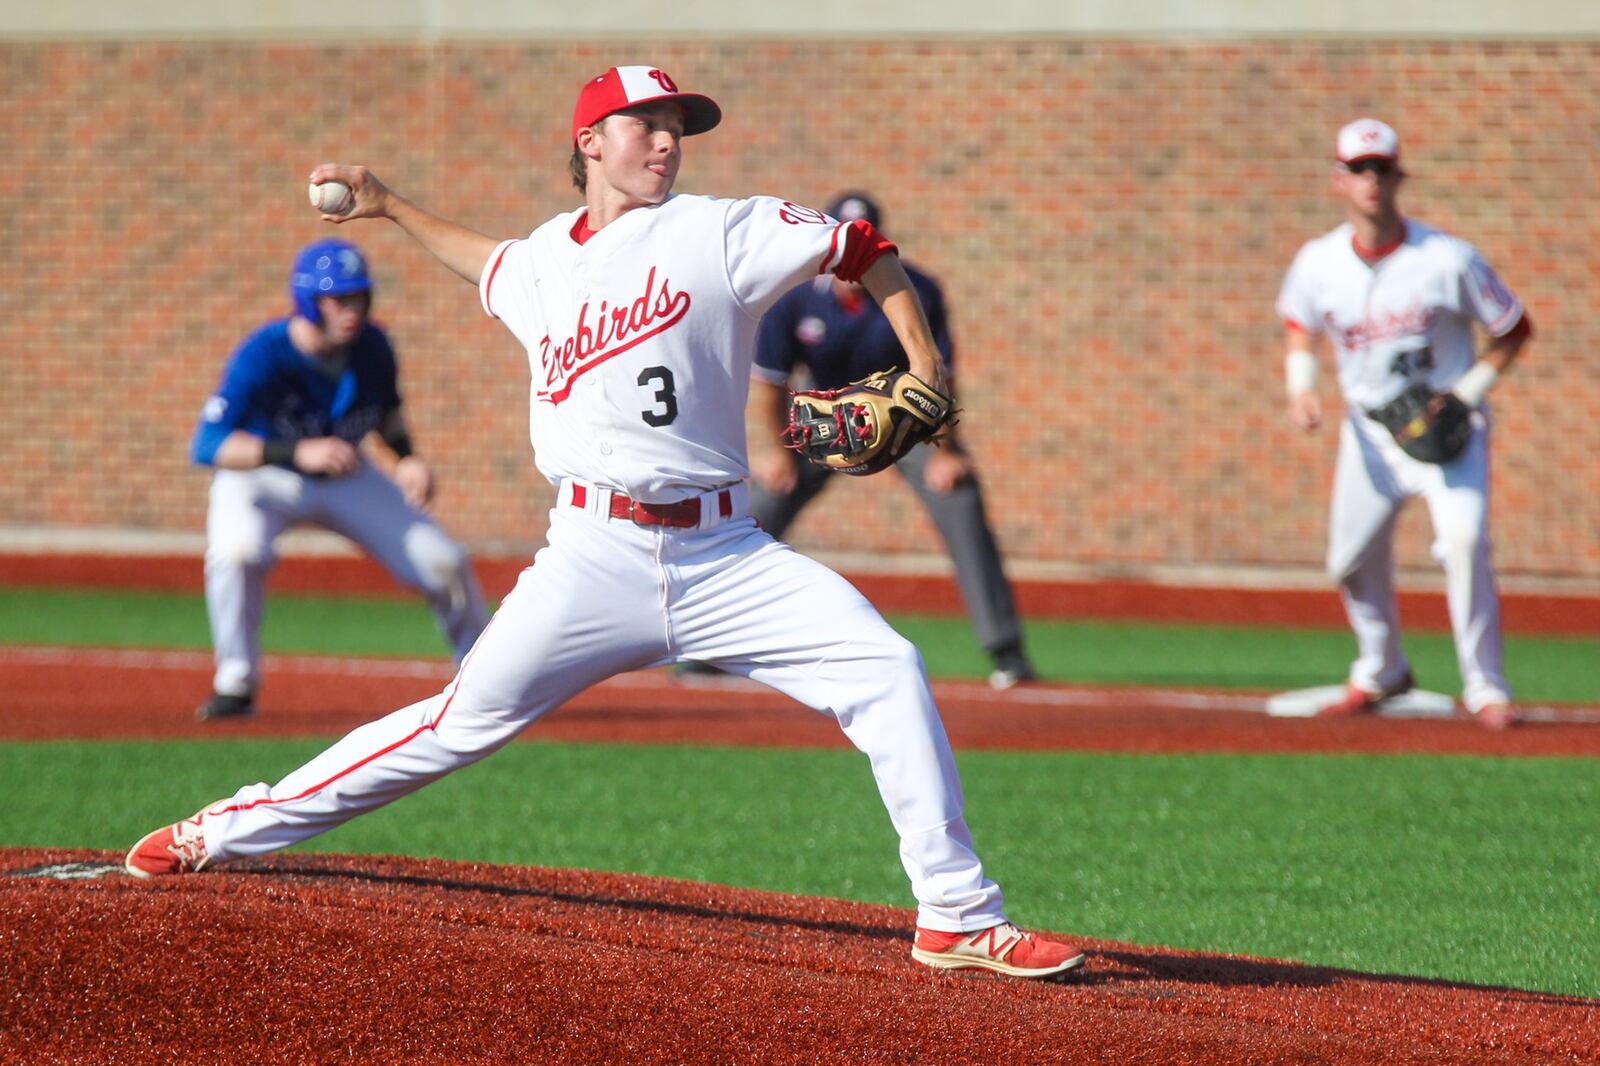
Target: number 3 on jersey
[[666, 402]]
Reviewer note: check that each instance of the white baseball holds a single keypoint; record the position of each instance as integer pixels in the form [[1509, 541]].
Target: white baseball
[[332, 197]]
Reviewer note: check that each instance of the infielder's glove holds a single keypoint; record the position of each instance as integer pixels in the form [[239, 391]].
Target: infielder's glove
[[1431, 426], [868, 425]]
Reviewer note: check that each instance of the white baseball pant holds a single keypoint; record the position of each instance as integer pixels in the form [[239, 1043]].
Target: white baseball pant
[[606, 596], [250, 508], [1373, 477]]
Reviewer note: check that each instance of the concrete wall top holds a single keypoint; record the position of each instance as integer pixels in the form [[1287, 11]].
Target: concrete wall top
[[893, 19]]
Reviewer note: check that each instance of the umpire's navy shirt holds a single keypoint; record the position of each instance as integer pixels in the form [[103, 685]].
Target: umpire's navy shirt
[[273, 390], [840, 344]]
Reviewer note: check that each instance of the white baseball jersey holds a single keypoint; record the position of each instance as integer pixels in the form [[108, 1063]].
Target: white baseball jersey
[[640, 340], [1406, 318]]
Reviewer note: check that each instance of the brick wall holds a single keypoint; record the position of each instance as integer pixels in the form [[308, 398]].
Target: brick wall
[[1111, 220]]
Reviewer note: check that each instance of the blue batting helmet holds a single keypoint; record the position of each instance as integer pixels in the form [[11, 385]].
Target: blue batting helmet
[[326, 268]]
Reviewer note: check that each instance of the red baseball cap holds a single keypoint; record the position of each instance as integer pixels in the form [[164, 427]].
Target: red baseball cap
[[1367, 138], [622, 87]]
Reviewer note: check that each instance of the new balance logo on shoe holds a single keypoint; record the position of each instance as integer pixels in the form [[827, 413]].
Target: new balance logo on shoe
[[996, 941], [1003, 948], [173, 849]]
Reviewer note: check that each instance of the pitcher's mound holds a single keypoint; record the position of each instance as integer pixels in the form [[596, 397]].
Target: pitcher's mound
[[305, 958]]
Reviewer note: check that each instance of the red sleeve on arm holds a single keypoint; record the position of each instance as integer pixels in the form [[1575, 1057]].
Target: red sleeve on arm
[[862, 247]]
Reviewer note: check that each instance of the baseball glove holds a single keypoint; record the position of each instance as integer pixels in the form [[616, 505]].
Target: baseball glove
[[1431, 426], [868, 425]]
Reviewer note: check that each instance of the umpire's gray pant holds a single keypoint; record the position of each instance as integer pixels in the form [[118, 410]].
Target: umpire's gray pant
[[961, 521]]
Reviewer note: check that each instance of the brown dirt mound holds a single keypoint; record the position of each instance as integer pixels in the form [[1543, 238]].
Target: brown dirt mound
[[312, 958]]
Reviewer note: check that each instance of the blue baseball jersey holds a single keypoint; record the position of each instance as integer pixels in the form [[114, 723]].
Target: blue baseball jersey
[[269, 388], [839, 343]]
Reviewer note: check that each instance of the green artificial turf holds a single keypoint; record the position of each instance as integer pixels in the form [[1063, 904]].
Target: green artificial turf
[[115, 618], [1265, 658], [1461, 868]]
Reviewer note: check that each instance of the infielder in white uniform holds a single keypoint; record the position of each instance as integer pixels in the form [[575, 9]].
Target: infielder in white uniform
[[639, 313], [1398, 302], [284, 432]]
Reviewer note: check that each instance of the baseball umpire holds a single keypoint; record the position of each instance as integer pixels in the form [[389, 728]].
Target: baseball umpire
[[1399, 301], [639, 313], [831, 329], [284, 432]]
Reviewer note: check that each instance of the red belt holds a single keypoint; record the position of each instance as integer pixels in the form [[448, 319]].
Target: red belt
[[685, 514]]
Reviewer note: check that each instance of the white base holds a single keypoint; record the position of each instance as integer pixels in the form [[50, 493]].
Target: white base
[[1418, 703]]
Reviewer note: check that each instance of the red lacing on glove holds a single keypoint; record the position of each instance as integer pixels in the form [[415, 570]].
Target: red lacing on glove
[[821, 394], [845, 416], [795, 435], [845, 423]]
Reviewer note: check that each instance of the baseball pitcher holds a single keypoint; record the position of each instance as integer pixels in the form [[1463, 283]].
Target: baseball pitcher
[[639, 312]]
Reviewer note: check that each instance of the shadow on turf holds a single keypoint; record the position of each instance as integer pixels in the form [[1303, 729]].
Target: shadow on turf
[[895, 935], [1219, 971], [653, 906]]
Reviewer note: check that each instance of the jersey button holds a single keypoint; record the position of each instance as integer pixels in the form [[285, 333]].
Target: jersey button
[[605, 447]]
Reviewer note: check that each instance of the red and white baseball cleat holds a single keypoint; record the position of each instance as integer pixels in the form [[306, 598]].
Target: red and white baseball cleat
[[1498, 716], [1360, 701], [179, 848], [1003, 948]]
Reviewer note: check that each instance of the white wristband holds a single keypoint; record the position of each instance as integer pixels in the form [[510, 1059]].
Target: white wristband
[[1475, 383], [1299, 371]]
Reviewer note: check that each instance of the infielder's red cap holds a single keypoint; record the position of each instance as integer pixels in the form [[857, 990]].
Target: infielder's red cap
[[622, 87], [1367, 138]]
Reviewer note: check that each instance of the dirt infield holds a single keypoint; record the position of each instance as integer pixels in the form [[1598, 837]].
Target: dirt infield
[[310, 958], [150, 694]]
